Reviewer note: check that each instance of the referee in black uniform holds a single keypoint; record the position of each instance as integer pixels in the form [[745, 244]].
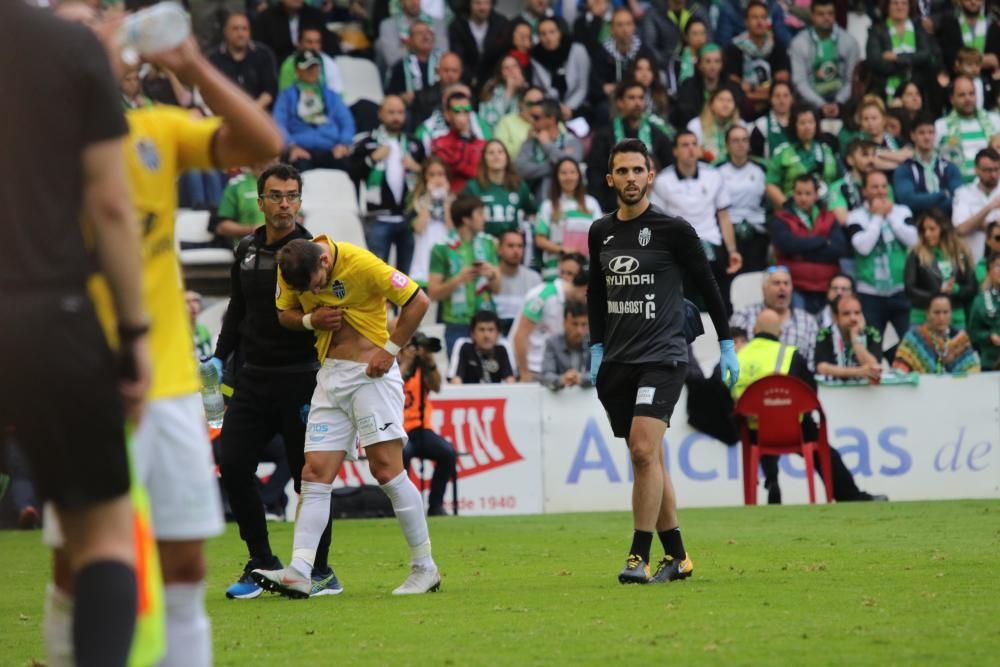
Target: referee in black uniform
[[275, 374], [62, 130], [639, 259]]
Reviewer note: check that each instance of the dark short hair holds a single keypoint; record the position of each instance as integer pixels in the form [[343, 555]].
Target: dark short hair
[[733, 129], [484, 317], [738, 332], [835, 304], [806, 178], [550, 108], [457, 95], [629, 146], [867, 176], [625, 85], [820, 3], [841, 274], [939, 295], [989, 153], [921, 119], [858, 144], [574, 308], [581, 279], [298, 261], [756, 3], [281, 171], [573, 257], [463, 207], [517, 232], [683, 133]]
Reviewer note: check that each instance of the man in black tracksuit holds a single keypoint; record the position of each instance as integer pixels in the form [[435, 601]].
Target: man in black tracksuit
[[274, 381]]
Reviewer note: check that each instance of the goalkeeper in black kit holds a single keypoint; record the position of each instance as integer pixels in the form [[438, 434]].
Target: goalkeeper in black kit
[[639, 354]]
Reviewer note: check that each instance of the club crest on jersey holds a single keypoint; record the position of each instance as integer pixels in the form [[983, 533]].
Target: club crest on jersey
[[644, 236], [148, 155], [338, 289]]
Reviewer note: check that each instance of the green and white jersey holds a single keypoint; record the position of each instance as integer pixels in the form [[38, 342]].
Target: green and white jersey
[[569, 231], [504, 209], [449, 258], [543, 305], [960, 138]]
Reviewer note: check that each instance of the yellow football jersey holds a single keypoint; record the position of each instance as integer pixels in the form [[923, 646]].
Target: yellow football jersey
[[360, 283], [163, 141]]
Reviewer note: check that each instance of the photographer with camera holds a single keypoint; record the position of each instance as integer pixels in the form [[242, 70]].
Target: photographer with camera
[[420, 377]]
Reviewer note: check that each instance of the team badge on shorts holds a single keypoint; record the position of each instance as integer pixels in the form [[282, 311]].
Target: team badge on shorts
[[148, 155], [644, 236], [338, 289]]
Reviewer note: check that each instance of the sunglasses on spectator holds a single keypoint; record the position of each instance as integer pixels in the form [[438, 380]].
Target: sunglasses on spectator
[[995, 239], [276, 197], [778, 267], [460, 108], [533, 103]]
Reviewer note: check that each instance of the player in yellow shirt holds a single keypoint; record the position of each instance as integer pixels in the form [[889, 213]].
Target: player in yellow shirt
[[339, 291], [172, 456]]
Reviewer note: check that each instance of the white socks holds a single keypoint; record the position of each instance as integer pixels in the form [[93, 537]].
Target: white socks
[[189, 632], [58, 627], [314, 515], [408, 505]]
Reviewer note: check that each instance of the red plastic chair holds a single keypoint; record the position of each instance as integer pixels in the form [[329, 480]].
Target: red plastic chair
[[778, 402]]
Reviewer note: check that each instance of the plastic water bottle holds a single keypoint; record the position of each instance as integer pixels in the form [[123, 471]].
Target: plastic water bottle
[[153, 30], [211, 394]]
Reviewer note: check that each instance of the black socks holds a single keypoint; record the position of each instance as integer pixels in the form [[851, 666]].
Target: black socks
[[104, 614], [673, 546], [641, 542]]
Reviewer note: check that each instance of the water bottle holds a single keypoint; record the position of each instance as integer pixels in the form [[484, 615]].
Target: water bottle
[[211, 394], [153, 30]]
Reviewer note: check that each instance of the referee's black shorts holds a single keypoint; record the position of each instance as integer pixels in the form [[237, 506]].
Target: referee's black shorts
[[639, 390], [59, 393]]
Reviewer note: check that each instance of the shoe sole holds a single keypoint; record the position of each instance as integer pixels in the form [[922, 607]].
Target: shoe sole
[[327, 591], [274, 587], [622, 579], [433, 589], [249, 596]]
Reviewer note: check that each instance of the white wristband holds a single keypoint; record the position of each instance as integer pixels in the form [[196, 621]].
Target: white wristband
[[391, 348], [307, 321]]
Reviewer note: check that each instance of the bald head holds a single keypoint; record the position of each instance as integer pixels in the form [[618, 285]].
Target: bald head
[[768, 322], [449, 69], [392, 113]]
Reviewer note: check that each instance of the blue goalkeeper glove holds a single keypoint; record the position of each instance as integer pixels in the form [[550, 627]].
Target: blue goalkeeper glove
[[729, 363], [596, 356]]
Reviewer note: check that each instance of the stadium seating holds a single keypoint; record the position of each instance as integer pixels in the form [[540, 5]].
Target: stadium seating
[[330, 206], [778, 403], [746, 289], [361, 80], [206, 270]]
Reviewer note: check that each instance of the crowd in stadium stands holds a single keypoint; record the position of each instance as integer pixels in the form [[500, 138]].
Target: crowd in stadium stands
[[845, 148]]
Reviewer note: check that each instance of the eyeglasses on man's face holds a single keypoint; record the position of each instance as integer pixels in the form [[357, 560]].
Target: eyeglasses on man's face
[[276, 197]]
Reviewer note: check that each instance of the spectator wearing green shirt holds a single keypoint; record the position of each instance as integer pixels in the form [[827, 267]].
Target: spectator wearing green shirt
[[239, 210], [465, 271], [844, 194], [311, 39], [803, 154], [506, 198], [565, 217], [992, 247]]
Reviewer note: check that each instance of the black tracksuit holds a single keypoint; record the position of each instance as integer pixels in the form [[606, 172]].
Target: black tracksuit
[[273, 386]]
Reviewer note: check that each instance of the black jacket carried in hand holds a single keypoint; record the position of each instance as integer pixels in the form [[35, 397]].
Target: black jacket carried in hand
[[250, 324]]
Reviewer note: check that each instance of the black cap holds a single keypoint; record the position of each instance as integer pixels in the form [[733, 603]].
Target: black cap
[[307, 59]]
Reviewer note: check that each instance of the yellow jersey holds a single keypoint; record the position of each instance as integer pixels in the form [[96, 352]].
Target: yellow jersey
[[360, 283], [163, 141]]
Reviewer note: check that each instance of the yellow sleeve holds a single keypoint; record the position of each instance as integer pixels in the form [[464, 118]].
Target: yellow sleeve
[[384, 280], [286, 298], [193, 138]]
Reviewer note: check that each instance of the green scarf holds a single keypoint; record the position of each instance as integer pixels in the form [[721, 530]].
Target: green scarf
[[826, 65], [752, 54], [538, 155], [806, 218], [414, 77], [377, 175], [884, 266], [930, 175], [687, 66], [312, 103], [775, 133], [905, 44], [974, 37], [645, 134]]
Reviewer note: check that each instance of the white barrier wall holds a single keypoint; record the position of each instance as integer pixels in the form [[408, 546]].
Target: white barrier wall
[[527, 450]]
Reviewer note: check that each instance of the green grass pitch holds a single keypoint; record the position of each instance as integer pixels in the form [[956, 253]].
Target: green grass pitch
[[850, 584]]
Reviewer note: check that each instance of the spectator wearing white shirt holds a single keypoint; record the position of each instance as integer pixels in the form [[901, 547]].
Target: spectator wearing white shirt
[[966, 130], [746, 183], [695, 193], [881, 234], [978, 203], [516, 279]]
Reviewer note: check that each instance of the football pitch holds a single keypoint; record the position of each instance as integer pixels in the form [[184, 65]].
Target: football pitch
[[850, 584]]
